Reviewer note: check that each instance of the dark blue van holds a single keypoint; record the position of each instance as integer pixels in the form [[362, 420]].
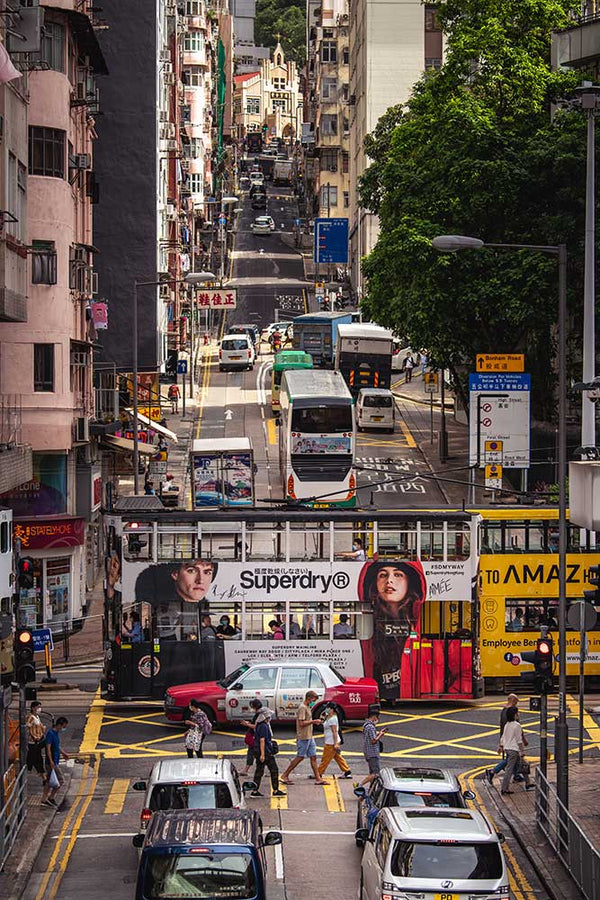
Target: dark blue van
[[204, 853]]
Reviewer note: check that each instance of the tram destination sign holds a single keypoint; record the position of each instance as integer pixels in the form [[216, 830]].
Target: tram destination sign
[[500, 412]]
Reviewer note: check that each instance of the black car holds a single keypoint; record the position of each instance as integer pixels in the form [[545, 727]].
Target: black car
[[259, 201]]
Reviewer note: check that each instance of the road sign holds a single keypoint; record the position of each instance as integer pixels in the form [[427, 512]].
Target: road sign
[[493, 477], [217, 299], [506, 417], [430, 382], [182, 366], [494, 453], [222, 219], [41, 637], [577, 610], [331, 241], [500, 362], [157, 467]]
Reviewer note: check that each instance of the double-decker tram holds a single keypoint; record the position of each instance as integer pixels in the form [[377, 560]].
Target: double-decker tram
[[518, 590], [192, 596]]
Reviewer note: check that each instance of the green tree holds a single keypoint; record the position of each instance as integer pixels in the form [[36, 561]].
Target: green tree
[[285, 18], [476, 151]]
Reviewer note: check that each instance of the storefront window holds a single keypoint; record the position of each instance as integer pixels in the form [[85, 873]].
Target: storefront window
[[30, 600], [58, 586]]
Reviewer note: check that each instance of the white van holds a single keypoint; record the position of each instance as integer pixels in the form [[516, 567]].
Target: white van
[[375, 408], [432, 854], [236, 352]]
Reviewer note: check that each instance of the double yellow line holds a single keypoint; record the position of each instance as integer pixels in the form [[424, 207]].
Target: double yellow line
[[66, 841]]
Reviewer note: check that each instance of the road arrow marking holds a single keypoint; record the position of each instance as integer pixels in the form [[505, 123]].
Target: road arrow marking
[[228, 415]]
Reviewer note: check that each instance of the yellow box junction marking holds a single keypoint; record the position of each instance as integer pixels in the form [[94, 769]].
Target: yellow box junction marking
[[333, 796]]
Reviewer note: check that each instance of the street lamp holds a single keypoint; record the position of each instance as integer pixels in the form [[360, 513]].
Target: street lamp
[[192, 278], [452, 243], [224, 201]]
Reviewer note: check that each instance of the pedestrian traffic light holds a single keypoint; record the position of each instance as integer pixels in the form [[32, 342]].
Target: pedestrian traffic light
[[265, 128], [593, 576], [542, 659], [24, 661], [25, 573]]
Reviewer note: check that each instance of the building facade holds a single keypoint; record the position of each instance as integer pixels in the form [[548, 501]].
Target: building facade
[[391, 44], [247, 54], [269, 98]]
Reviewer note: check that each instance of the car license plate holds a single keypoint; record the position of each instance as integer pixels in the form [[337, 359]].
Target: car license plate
[[377, 418], [446, 897], [236, 357]]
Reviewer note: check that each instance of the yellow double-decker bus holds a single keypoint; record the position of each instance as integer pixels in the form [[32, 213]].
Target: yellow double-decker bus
[[518, 589]]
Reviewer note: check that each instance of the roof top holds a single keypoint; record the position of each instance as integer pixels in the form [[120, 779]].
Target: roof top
[[203, 826], [364, 329], [245, 77], [176, 770], [207, 445], [432, 824], [315, 383], [409, 778]]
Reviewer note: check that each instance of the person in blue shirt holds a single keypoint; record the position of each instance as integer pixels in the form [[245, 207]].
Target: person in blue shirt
[[135, 632], [264, 755], [55, 777]]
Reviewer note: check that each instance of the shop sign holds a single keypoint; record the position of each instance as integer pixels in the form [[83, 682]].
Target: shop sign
[[96, 490], [225, 299], [44, 534]]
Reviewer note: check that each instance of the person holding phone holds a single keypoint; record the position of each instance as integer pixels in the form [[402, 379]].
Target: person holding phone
[[372, 744]]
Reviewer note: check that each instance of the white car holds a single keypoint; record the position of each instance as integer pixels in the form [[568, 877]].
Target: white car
[[236, 352], [263, 225], [257, 178], [191, 784], [282, 327]]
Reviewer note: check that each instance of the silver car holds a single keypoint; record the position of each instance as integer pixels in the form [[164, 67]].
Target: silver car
[[263, 225]]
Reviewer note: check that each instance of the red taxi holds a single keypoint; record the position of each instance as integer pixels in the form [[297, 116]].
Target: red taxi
[[281, 686]]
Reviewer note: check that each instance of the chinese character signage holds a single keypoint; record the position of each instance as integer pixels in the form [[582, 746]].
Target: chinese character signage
[[100, 315], [49, 533], [224, 299]]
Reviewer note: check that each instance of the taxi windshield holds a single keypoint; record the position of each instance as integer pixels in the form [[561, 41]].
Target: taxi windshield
[[235, 676]]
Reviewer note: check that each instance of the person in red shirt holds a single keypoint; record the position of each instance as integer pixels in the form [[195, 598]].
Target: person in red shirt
[[174, 395]]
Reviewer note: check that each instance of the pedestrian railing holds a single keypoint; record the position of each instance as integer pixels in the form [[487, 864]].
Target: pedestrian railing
[[569, 841], [12, 814]]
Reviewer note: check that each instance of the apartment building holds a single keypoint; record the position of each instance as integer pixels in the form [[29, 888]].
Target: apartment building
[[247, 54], [327, 157], [270, 97], [578, 47], [391, 44], [48, 283]]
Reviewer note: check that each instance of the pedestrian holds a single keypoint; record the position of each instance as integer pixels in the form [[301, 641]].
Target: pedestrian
[[513, 745], [54, 777], [249, 738], [305, 742], [199, 727], [332, 743], [408, 367], [135, 632], [372, 744], [173, 396], [265, 749], [512, 702], [275, 632], [35, 740], [149, 488], [424, 362]]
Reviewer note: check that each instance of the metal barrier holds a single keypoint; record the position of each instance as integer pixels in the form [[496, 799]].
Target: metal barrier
[[572, 846], [12, 815]]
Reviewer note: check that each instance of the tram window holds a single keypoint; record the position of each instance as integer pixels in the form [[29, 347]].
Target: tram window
[[432, 545], [177, 545], [309, 543], [529, 614], [491, 538], [343, 542], [138, 545], [459, 543], [397, 543], [257, 619], [309, 624]]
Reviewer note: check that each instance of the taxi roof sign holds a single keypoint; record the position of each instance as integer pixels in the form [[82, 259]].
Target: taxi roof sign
[[500, 362]]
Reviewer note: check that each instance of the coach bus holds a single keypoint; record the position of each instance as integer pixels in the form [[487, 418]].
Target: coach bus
[[317, 432], [518, 590], [287, 359], [192, 595]]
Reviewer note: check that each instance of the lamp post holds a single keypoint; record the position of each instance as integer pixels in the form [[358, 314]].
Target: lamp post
[[451, 243], [223, 228], [192, 279]]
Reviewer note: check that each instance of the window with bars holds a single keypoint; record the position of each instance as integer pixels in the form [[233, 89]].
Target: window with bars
[[193, 42], [329, 125], [47, 151], [196, 182], [329, 160], [279, 104], [43, 368], [53, 45], [329, 52], [193, 7], [193, 76], [253, 106], [43, 262]]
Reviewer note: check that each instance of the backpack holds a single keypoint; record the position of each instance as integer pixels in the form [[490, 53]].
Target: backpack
[[172, 392], [205, 726]]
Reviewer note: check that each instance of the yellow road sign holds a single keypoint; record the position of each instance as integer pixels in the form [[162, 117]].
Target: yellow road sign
[[500, 362], [430, 382], [493, 477]]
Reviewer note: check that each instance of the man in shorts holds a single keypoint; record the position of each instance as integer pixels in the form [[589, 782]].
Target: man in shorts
[[371, 747], [53, 755], [305, 743]]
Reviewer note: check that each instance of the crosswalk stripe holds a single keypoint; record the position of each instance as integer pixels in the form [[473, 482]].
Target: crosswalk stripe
[[116, 799]]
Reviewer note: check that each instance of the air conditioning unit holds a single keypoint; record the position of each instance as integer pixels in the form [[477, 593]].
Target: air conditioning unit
[[163, 115], [169, 78], [81, 90], [185, 165], [165, 56], [80, 161], [171, 146], [82, 429], [164, 292], [171, 8], [168, 67]]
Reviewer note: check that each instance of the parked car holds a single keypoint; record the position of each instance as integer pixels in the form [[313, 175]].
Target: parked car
[[375, 408], [263, 225], [245, 183], [281, 686], [259, 201], [236, 352], [257, 178], [433, 854], [284, 328], [406, 786], [215, 853], [191, 784]]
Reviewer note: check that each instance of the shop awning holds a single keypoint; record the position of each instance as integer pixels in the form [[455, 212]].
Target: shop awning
[[155, 426], [119, 443]]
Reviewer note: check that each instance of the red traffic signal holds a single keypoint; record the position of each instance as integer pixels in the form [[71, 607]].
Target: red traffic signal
[[544, 647], [25, 573]]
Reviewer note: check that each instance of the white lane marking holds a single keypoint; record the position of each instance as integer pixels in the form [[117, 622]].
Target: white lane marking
[[278, 862]]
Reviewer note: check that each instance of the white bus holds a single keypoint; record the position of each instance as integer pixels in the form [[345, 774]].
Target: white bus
[[317, 439]]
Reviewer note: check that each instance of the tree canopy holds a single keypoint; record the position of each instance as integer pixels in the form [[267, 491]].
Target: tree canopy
[[477, 151], [285, 18]]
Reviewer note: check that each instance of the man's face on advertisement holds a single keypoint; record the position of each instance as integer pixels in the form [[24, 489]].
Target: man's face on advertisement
[[192, 580]]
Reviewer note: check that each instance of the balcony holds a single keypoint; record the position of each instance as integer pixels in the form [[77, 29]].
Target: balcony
[[578, 47]]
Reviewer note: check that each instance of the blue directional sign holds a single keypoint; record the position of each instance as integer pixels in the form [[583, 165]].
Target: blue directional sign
[[41, 637], [500, 381], [182, 366], [331, 241]]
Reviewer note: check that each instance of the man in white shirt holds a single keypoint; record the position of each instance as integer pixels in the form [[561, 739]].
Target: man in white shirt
[[513, 745]]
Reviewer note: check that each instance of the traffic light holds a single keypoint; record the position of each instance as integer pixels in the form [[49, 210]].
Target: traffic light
[[593, 577], [25, 573], [542, 659], [265, 128], [24, 662]]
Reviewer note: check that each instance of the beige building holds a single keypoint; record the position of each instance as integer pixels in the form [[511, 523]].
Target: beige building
[[270, 97], [391, 44], [328, 75]]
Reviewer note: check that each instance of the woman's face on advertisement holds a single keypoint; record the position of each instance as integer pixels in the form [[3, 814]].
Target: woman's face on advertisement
[[193, 580], [392, 585]]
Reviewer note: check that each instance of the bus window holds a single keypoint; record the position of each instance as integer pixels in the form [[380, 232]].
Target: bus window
[[4, 537]]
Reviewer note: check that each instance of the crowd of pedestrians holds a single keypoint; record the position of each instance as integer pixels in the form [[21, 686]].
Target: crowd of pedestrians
[[511, 747]]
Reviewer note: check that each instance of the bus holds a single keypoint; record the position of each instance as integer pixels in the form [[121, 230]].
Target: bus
[[363, 354], [287, 359], [317, 432], [192, 595], [518, 590]]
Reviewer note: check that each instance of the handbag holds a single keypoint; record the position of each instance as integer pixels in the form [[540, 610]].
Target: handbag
[[274, 747], [249, 739]]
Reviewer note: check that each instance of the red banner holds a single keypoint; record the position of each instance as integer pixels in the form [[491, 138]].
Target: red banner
[[43, 534]]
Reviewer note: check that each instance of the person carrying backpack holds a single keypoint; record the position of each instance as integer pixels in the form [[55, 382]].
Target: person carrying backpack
[[173, 396], [199, 727]]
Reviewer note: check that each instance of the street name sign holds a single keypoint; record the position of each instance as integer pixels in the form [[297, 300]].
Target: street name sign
[[500, 362], [41, 637], [331, 241], [500, 411]]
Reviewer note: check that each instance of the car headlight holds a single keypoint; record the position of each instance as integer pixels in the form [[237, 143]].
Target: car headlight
[[169, 700]]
